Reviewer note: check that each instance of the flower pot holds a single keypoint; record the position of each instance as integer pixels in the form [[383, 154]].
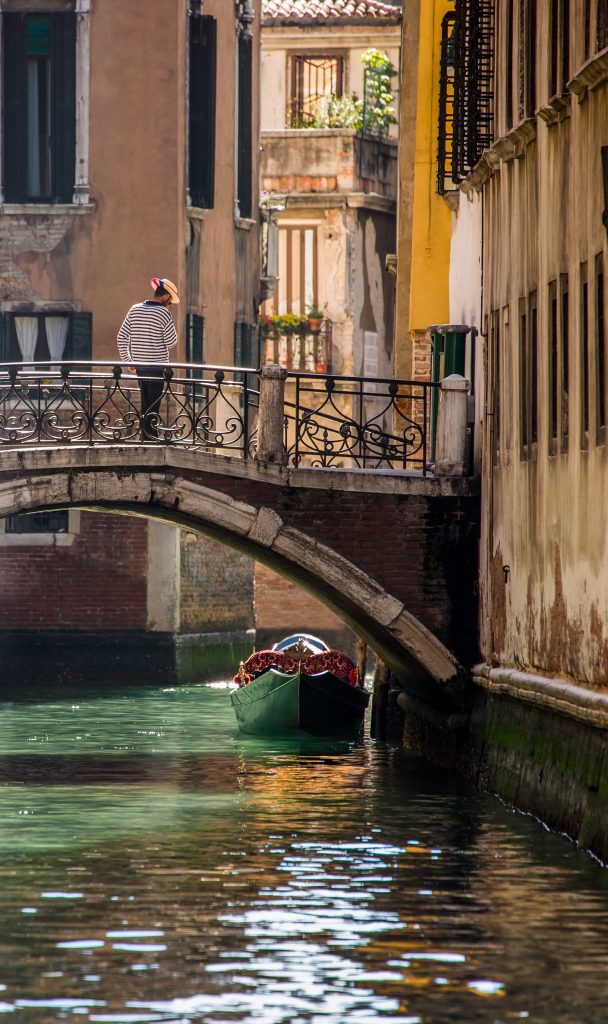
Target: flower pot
[[314, 323]]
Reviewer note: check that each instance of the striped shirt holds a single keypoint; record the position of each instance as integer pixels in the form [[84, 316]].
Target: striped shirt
[[147, 334]]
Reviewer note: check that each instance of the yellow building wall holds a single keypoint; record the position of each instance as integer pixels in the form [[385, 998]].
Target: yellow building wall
[[424, 216]]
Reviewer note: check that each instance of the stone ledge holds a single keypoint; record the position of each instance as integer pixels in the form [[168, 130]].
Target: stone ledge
[[593, 73], [588, 706]]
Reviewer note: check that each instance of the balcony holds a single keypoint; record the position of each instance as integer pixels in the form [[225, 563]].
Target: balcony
[[303, 349], [340, 160]]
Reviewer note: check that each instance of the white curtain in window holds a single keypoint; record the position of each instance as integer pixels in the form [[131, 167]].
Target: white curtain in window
[[57, 335], [27, 336]]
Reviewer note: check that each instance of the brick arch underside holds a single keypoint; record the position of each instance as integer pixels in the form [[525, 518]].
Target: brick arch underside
[[422, 664]]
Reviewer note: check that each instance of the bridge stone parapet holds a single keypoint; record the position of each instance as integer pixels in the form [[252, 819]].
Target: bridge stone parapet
[[394, 556]]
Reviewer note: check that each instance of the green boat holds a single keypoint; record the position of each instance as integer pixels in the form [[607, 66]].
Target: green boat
[[299, 686]]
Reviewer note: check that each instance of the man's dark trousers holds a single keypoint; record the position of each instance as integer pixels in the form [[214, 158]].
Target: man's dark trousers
[[151, 382]]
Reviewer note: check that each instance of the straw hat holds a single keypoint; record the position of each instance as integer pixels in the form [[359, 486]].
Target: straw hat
[[163, 282]]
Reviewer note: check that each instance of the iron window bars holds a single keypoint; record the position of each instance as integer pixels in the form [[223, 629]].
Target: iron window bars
[[466, 125]]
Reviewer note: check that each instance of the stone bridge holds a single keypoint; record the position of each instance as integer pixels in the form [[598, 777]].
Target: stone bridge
[[394, 555]]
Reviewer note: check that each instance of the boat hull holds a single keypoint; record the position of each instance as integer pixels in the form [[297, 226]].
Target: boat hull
[[320, 705]]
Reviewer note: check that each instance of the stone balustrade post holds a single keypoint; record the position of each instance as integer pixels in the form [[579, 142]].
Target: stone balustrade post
[[452, 427], [271, 415]]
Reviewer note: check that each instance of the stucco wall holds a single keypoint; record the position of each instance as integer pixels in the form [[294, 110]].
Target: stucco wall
[[545, 509]]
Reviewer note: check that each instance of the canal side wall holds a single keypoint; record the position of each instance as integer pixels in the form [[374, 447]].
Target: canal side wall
[[537, 743]]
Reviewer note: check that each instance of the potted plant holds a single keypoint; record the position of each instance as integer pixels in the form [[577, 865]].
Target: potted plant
[[290, 323], [315, 318]]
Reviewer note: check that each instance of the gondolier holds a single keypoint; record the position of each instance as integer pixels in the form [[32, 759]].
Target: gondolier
[[144, 340]]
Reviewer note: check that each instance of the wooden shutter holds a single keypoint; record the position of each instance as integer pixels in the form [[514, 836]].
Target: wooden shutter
[[15, 107], [245, 128], [5, 346], [238, 344], [195, 341], [81, 336], [202, 100], [63, 106]]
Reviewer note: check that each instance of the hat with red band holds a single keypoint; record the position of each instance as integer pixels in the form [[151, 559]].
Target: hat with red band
[[168, 286]]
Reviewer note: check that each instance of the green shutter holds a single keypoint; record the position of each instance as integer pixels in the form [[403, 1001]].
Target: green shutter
[[4, 338], [63, 110], [238, 343], [195, 341], [202, 102], [81, 336], [15, 107]]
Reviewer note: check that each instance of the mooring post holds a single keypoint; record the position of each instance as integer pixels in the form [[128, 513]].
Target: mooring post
[[452, 427], [271, 416]]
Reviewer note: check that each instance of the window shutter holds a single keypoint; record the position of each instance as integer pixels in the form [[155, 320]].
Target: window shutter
[[195, 341], [63, 111], [4, 338], [245, 128], [238, 344], [202, 100], [81, 336], [15, 107]]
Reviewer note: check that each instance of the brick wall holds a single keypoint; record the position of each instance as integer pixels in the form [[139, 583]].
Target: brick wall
[[96, 583], [216, 589], [281, 608], [423, 549]]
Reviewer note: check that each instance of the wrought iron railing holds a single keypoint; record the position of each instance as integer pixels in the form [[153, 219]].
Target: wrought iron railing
[[303, 350], [209, 407], [333, 421], [330, 421]]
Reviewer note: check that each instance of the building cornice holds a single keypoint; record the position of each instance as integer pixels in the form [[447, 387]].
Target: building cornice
[[590, 75], [508, 147]]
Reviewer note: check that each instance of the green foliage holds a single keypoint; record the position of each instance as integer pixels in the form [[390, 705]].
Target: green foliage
[[288, 323], [333, 111], [378, 112]]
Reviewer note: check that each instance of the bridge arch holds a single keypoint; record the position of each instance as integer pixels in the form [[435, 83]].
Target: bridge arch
[[170, 490]]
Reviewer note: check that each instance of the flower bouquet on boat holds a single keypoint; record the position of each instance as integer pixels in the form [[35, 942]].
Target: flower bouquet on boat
[[300, 685]]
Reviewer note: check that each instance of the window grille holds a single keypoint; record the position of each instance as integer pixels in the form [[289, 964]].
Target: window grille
[[312, 77], [467, 66]]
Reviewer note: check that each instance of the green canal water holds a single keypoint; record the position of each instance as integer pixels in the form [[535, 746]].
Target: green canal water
[[155, 866]]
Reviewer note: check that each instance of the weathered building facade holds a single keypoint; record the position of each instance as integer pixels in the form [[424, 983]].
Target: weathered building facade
[[522, 162], [127, 152]]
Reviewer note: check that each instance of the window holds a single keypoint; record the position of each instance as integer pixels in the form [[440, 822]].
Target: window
[[564, 337], [509, 69], [586, 29], [39, 522], [201, 110], [600, 346], [45, 337], [602, 24], [39, 119], [527, 70], [497, 383], [313, 77], [523, 377], [559, 53], [553, 366], [246, 347], [245, 127], [584, 335], [533, 371], [297, 288], [528, 373]]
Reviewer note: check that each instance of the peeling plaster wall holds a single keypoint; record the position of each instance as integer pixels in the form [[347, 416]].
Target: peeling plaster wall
[[545, 510]]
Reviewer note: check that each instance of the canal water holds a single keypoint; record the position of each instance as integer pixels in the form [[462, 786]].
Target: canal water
[[156, 866]]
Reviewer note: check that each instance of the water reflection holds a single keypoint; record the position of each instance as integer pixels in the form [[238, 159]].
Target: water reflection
[[157, 866]]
